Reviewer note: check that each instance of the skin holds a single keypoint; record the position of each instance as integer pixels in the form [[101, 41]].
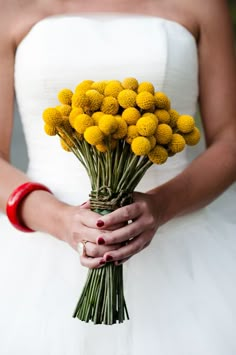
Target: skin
[[203, 180]]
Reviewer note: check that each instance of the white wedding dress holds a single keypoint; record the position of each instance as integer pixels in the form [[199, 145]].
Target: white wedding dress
[[181, 290]]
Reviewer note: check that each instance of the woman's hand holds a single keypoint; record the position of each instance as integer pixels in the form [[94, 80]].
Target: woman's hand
[[140, 222], [81, 225]]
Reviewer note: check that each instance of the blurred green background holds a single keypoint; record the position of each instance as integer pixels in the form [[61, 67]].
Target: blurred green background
[[232, 5]]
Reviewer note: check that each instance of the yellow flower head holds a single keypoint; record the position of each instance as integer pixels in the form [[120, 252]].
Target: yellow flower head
[[193, 137], [122, 128], [127, 98], [84, 86], [177, 143], [185, 123], [145, 100], [110, 105], [130, 83], [101, 147], [75, 112], [151, 115], [96, 116], [95, 99], [163, 116], [108, 124], [141, 146], [152, 141], [146, 126], [113, 88], [162, 101], [163, 134], [131, 115], [93, 135], [82, 122], [65, 96], [158, 155], [52, 116], [80, 99], [64, 109], [174, 115], [99, 86], [50, 130], [132, 132], [146, 86]]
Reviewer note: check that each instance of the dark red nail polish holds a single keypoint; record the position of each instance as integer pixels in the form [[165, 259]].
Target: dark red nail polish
[[102, 262], [101, 241], [83, 203], [109, 258], [100, 223]]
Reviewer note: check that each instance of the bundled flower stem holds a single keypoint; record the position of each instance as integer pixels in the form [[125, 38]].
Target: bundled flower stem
[[117, 130]]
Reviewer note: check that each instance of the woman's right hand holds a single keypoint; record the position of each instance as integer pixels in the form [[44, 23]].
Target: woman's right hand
[[80, 226]]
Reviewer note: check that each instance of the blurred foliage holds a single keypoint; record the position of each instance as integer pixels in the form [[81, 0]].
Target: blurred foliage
[[232, 6]]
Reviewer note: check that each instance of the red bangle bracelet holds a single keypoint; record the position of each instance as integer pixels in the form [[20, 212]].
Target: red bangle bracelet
[[15, 199]]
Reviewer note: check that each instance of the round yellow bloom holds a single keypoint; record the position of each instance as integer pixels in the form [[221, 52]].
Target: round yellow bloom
[[158, 155], [108, 124], [151, 115], [163, 116], [99, 86], [146, 126], [122, 128], [177, 143], [163, 134], [141, 146], [79, 99], [95, 99], [52, 116], [146, 86], [64, 109], [110, 105], [65, 96], [96, 116], [93, 135], [152, 141], [145, 100], [50, 130], [101, 147], [84, 86], [132, 132], [130, 83], [131, 115], [174, 115], [64, 145], [75, 112], [127, 98], [193, 137], [82, 122], [162, 101], [113, 88], [185, 123]]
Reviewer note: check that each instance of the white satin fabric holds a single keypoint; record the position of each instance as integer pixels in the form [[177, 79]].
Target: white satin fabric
[[180, 291]]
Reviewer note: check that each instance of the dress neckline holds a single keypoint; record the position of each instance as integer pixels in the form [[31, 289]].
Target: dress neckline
[[107, 15]]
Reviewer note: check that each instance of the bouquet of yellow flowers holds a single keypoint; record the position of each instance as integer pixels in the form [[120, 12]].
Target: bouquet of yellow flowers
[[117, 130]]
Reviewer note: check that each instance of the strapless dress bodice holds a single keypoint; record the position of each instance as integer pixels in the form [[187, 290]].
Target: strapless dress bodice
[[60, 51]]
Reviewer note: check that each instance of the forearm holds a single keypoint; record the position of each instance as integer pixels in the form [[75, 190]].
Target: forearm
[[40, 210], [200, 183]]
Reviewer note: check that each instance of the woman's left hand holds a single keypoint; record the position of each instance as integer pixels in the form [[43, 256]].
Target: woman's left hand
[[141, 220]]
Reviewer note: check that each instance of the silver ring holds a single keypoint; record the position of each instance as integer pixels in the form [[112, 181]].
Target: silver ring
[[81, 247]]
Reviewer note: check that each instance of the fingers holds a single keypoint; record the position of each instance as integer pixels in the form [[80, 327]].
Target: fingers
[[121, 215], [91, 263], [97, 251]]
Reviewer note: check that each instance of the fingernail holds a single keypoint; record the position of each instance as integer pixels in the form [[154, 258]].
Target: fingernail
[[109, 258], [102, 262], [101, 241], [100, 223], [83, 203]]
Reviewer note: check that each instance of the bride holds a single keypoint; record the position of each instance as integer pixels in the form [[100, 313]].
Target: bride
[[180, 268]]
